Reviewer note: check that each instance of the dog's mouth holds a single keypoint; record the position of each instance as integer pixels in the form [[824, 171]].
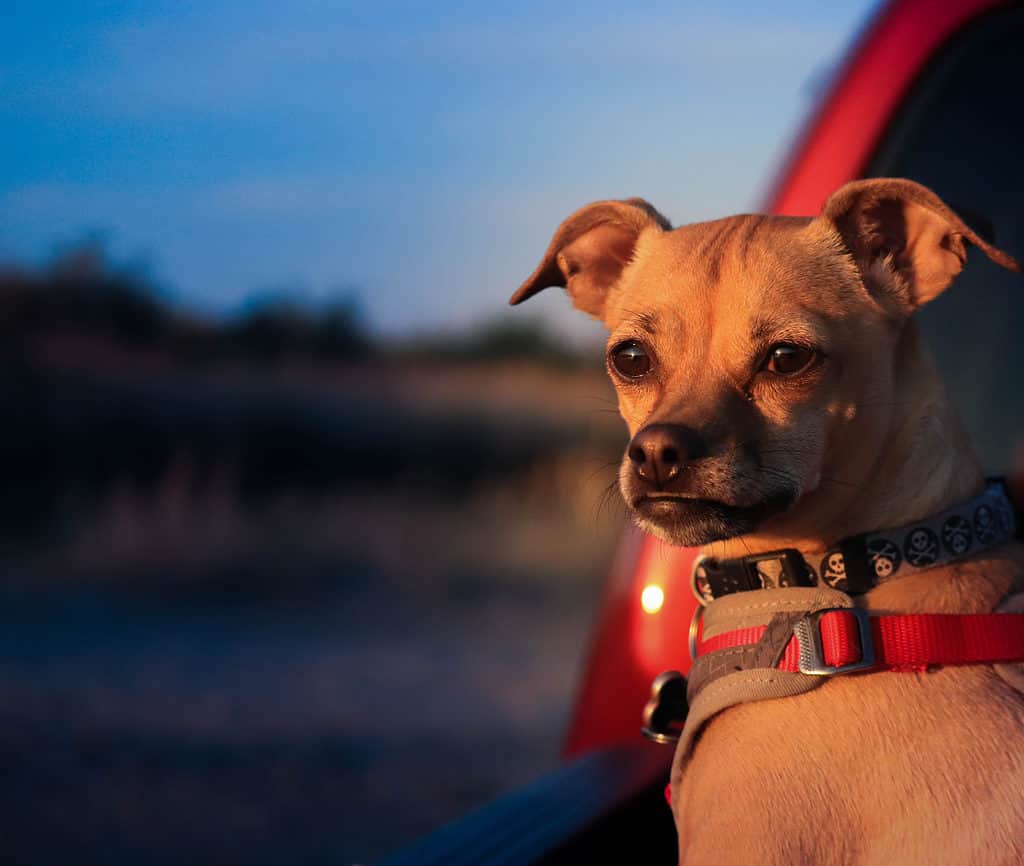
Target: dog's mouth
[[688, 521]]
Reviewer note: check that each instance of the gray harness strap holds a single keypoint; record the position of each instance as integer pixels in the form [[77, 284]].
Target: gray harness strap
[[737, 675], [764, 654]]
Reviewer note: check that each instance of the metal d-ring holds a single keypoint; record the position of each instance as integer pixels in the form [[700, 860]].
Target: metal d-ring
[[698, 563]]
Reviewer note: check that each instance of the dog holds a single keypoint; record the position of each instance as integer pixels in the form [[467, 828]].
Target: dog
[[778, 395]]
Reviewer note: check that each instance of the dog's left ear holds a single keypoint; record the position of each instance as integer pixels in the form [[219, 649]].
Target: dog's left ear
[[589, 251], [908, 243]]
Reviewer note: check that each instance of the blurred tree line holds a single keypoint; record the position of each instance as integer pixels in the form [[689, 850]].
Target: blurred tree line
[[217, 413], [82, 292]]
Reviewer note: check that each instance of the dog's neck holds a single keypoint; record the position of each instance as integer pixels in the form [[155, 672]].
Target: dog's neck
[[925, 465]]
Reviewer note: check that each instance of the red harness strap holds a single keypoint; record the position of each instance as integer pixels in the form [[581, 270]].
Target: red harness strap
[[906, 642]]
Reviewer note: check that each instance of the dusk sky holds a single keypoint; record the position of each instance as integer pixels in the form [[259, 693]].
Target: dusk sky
[[420, 152]]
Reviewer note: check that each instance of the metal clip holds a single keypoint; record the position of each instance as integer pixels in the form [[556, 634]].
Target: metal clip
[[812, 656], [666, 711], [699, 582]]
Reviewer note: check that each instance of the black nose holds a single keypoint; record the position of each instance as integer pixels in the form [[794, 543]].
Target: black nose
[[658, 452]]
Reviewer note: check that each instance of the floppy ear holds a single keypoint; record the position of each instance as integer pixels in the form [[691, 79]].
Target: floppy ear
[[589, 251], [908, 243]]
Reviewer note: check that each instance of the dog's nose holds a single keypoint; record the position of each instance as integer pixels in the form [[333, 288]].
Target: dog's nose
[[658, 452]]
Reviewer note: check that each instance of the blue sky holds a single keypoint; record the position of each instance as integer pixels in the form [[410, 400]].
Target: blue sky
[[422, 152]]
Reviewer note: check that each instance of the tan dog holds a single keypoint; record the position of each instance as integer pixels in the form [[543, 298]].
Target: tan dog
[[772, 378]]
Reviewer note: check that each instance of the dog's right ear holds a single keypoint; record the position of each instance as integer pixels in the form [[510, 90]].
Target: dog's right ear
[[589, 251], [904, 233]]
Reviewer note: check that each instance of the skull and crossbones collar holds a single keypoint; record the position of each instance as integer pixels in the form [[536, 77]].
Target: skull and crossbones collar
[[857, 564]]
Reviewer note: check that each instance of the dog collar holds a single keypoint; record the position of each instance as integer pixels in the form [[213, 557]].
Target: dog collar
[[859, 563]]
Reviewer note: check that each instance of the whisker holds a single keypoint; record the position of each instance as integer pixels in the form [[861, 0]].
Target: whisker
[[829, 480]]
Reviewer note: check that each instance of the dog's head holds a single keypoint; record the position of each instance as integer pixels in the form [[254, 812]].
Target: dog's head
[[752, 354]]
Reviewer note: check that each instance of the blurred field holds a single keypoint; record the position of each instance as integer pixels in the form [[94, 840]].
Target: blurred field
[[418, 472], [269, 595]]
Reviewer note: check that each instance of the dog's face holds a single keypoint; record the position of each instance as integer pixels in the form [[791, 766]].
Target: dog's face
[[753, 356], [738, 349]]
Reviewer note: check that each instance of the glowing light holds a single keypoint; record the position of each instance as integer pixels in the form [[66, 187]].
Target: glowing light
[[652, 598]]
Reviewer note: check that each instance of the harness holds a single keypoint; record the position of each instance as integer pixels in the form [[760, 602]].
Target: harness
[[772, 625]]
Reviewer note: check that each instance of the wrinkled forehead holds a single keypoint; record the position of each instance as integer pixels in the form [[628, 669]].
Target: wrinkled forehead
[[739, 271]]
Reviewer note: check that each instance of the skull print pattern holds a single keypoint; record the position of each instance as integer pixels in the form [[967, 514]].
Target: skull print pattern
[[986, 521]]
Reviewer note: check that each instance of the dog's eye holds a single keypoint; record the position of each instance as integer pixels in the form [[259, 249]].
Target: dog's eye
[[785, 359], [630, 359]]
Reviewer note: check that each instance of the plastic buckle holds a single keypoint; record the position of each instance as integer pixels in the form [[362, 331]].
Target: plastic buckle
[[713, 578], [793, 570], [812, 656]]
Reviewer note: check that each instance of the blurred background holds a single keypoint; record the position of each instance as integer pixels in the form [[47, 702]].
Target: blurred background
[[301, 529]]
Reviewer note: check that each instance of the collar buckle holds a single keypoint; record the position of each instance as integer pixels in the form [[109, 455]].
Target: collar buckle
[[812, 655], [713, 578]]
